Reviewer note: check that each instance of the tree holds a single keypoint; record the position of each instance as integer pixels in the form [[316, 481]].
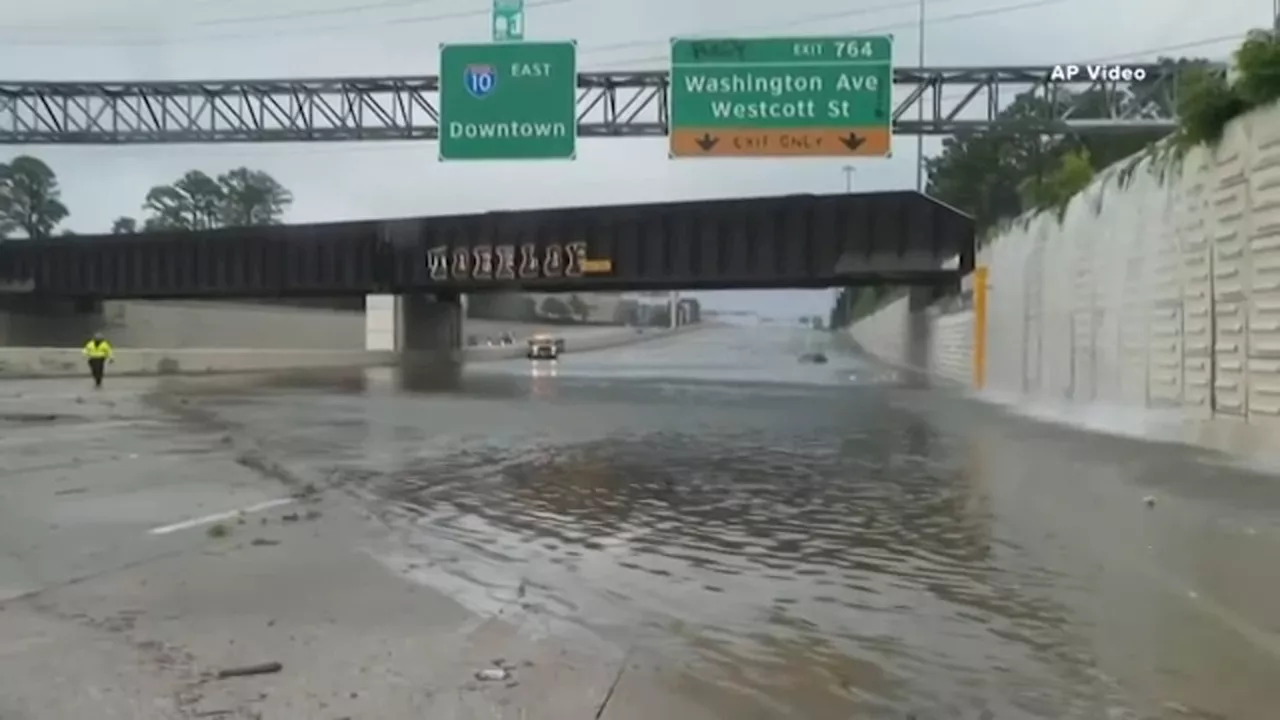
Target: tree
[[579, 308], [626, 312], [695, 309], [196, 201], [124, 225], [993, 174], [660, 316], [252, 197], [528, 310], [30, 199], [554, 307], [1055, 190], [1000, 173]]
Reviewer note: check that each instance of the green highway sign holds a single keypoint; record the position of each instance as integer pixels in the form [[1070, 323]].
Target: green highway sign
[[508, 20], [509, 101], [782, 97]]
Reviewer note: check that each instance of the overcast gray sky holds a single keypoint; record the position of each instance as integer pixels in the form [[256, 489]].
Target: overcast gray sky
[[216, 39]]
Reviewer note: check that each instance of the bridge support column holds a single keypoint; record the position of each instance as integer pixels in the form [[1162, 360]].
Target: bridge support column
[[431, 325], [430, 339], [27, 322], [919, 332]]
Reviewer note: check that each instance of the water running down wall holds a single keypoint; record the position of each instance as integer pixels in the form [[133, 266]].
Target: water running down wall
[[1160, 294]]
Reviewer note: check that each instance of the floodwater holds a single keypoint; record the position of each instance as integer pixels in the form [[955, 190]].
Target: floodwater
[[820, 539]]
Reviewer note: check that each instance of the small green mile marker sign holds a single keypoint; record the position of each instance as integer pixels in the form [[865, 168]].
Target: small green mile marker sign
[[509, 101]]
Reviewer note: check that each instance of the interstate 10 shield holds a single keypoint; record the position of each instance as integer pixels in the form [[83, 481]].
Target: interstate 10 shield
[[481, 80]]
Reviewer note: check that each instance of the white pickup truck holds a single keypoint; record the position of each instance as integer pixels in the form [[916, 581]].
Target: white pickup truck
[[543, 347]]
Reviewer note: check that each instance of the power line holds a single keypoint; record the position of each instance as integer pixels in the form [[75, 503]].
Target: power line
[[208, 22], [1138, 55], [393, 4], [612, 47], [345, 28], [803, 20], [1167, 48], [912, 25], [22, 38]]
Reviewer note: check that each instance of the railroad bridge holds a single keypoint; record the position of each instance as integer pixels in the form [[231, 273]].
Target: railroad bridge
[[798, 241]]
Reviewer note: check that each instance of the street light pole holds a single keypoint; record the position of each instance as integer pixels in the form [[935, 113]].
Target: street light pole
[[849, 170]]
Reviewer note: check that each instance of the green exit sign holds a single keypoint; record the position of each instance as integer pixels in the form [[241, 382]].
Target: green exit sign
[[782, 97], [509, 101]]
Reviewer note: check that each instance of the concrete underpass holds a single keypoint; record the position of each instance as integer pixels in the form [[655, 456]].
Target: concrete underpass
[[1044, 489]]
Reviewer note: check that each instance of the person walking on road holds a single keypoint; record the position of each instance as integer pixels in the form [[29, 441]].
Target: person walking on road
[[98, 350]]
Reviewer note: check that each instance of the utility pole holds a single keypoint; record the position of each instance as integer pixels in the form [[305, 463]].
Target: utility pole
[[920, 109]]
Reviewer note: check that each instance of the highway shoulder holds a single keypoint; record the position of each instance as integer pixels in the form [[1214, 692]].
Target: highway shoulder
[[142, 631]]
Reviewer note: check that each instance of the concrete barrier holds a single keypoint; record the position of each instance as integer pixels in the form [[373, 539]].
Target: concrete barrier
[[61, 362]]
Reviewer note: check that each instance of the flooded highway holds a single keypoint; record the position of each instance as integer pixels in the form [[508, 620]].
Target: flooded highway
[[809, 540]]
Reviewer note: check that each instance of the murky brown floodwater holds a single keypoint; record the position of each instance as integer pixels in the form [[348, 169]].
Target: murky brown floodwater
[[814, 535]]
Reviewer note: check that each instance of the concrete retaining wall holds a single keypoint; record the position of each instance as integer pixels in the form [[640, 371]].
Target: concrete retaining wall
[[884, 333], [950, 352], [1160, 294], [63, 362], [194, 324], [58, 362], [182, 324]]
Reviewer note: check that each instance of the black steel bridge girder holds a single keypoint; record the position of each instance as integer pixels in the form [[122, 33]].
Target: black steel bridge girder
[[797, 241]]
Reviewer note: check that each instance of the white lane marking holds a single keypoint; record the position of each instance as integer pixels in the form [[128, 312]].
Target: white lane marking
[[218, 517], [54, 432]]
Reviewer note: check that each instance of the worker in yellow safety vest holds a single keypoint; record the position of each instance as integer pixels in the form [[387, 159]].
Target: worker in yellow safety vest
[[98, 350]]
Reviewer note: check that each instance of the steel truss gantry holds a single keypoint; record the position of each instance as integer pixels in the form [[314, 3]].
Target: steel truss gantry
[[610, 104]]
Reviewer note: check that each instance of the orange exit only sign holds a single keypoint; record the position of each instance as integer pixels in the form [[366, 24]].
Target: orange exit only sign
[[782, 97]]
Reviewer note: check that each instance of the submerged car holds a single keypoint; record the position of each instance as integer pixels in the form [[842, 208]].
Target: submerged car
[[545, 348]]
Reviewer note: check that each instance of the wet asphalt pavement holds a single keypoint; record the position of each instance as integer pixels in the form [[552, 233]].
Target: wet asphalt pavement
[[819, 538]]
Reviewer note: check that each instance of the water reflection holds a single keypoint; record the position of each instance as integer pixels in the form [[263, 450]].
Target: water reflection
[[823, 566], [835, 548], [427, 376]]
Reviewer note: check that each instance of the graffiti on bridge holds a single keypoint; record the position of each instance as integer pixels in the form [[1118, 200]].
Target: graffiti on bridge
[[510, 262]]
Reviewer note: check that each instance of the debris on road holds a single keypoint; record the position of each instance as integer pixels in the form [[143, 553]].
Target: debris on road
[[244, 670], [493, 674], [263, 542], [1150, 500], [218, 530]]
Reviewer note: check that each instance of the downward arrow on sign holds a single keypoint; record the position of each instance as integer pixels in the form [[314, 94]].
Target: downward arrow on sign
[[853, 142], [706, 142]]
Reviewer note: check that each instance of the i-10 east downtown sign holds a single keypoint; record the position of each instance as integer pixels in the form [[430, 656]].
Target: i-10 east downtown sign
[[509, 101]]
